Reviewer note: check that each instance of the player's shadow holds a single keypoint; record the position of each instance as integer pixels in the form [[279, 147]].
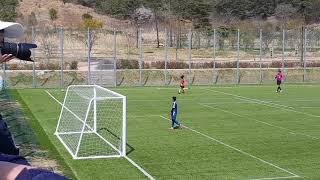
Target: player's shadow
[[129, 149], [177, 127]]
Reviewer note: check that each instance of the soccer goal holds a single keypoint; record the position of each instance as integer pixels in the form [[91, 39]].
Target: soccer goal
[[92, 122]]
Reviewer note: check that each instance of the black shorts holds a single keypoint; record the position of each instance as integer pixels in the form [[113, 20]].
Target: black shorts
[[278, 83], [182, 87]]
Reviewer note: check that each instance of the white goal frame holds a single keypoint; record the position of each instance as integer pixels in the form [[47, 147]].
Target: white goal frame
[[93, 130]]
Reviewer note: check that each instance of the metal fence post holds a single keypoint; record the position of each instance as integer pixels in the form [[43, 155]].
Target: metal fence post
[[238, 57], [283, 49], [190, 57], [141, 56], [272, 50], [165, 57], [260, 56], [114, 57], [62, 57], [214, 74], [89, 55], [305, 77], [34, 83]]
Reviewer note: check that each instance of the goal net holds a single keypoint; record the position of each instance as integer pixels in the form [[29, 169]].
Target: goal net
[[92, 122]]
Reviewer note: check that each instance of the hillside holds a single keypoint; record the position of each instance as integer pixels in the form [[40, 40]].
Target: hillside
[[68, 14]]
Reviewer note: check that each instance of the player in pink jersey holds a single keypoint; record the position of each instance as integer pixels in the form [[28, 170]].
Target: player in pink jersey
[[182, 85], [279, 78]]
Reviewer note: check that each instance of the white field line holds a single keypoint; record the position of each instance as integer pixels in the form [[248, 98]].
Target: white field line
[[274, 178], [143, 116], [263, 122], [127, 158], [220, 98], [269, 104], [157, 100], [265, 102], [236, 149], [299, 100], [140, 168], [309, 107], [241, 86]]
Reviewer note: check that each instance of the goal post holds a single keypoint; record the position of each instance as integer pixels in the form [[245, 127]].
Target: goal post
[[92, 122]]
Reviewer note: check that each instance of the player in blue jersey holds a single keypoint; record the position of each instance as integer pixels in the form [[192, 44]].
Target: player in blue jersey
[[174, 113]]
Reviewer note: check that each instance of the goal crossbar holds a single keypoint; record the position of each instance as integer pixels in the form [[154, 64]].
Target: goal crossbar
[[99, 87]]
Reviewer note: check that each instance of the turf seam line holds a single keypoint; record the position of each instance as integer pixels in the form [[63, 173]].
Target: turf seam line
[[265, 103], [127, 158], [245, 116], [236, 149]]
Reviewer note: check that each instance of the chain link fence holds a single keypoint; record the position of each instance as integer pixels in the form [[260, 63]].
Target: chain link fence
[[158, 57]]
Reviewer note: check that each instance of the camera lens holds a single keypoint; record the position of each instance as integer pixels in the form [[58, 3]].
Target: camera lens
[[21, 51]]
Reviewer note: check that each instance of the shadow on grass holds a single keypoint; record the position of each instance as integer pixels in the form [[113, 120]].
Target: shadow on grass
[[129, 148]]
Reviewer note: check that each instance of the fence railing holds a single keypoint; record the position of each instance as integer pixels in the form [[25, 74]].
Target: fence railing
[[141, 58]]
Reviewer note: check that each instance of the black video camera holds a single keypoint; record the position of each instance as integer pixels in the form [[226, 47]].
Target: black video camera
[[21, 51]]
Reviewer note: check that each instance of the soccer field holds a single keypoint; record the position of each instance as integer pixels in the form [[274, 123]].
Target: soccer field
[[241, 132]]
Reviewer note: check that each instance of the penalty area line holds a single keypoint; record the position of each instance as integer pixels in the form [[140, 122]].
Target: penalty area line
[[236, 149], [126, 157]]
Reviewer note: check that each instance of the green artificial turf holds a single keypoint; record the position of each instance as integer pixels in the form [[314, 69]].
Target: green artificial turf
[[244, 132]]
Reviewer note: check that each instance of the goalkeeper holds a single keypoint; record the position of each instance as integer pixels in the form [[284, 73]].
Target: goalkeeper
[[174, 113]]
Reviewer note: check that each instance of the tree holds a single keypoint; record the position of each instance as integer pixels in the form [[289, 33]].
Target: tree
[[285, 12], [118, 8], [246, 9], [86, 16], [141, 16], [8, 10], [53, 14], [90, 24], [157, 6], [32, 19], [268, 32], [65, 1]]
